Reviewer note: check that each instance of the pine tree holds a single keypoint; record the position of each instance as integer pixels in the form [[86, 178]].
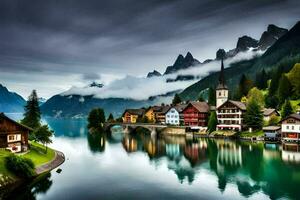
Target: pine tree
[[110, 117], [261, 80], [32, 115], [176, 99], [275, 81], [286, 109], [284, 89], [254, 115], [244, 86], [96, 118], [212, 122], [201, 98], [211, 97]]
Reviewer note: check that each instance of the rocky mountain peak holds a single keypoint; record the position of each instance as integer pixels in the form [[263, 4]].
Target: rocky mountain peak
[[153, 74], [246, 42]]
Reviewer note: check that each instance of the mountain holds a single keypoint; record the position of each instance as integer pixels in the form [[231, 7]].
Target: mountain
[[10, 102], [182, 63], [76, 106], [269, 37], [153, 74], [285, 51]]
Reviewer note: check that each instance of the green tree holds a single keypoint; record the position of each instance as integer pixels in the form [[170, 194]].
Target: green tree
[[176, 99], [272, 101], [110, 118], [212, 122], [276, 75], [257, 95], [286, 109], [273, 120], [32, 115], [245, 85], [43, 135], [261, 80], [96, 118], [201, 98], [211, 97], [284, 89], [294, 77], [254, 115]]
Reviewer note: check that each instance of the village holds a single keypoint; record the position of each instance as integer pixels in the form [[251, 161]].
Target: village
[[193, 116]]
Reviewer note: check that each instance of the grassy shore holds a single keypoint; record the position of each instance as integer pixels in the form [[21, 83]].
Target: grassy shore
[[37, 154], [244, 134]]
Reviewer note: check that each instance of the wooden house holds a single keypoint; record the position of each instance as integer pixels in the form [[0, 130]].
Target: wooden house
[[272, 133], [195, 114], [290, 128], [132, 115], [13, 135], [269, 112], [230, 115], [150, 115]]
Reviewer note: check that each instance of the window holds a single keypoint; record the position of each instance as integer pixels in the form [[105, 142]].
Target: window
[[287, 127], [292, 127], [11, 137], [220, 94]]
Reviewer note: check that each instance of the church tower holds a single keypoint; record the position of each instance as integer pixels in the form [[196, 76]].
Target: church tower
[[221, 90]]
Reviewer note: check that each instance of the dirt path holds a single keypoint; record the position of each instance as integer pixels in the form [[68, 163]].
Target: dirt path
[[57, 161]]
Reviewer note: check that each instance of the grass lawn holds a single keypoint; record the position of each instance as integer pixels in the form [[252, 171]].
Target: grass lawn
[[253, 134], [38, 154]]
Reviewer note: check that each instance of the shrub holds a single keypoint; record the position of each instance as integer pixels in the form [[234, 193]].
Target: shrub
[[22, 167]]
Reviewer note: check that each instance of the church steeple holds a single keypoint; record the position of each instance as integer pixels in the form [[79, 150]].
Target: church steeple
[[221, 90], [221, 77]]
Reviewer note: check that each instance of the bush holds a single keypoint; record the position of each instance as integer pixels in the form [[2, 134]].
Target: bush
[[22, 167]]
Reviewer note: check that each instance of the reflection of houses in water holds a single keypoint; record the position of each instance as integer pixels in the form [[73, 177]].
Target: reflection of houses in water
[[130, 144], [271, 151], [229, 154], [290, 153], [196, 152], [173, 150]]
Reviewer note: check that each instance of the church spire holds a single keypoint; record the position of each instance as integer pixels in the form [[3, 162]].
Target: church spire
[[221, 77]]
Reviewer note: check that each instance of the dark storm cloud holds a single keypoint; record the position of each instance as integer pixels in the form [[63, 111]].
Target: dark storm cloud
[[126, 36]]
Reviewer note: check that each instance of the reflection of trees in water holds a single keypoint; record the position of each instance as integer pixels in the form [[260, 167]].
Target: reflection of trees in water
[[96, 141], [29, 191]]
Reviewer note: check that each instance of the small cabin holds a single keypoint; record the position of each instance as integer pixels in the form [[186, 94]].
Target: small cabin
[[13, 135], [272, 133]]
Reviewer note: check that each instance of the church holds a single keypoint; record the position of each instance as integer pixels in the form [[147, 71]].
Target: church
[[229, 113]]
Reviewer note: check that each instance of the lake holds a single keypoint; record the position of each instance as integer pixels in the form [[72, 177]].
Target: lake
[[136, 166]]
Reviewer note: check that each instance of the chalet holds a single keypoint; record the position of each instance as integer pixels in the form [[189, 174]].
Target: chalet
[[160, 113], [195, 114], [229, 113], [150, 115], [13, 135], [269, 112], [132, 115], [290, 128], [272, 133], [174, 114]]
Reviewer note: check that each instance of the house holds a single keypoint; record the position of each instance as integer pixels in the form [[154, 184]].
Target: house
[[269, 112], [272, 133], [174, 115], [13, 135], [290, 128], [132, 115], [150, 115], [195, 114], [230, 115], [160, 113], [290, 153]]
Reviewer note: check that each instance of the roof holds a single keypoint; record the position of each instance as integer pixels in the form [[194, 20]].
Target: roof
[[271, 128], [200, 106], [179, 107], [165, 109], [295, 116], [269, 111], [239, 104], [135, 111], [3, 116]]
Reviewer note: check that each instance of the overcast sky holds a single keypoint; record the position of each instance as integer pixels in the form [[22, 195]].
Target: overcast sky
[[51, 45]]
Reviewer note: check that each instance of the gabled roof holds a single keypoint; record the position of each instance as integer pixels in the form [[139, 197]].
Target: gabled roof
[[238, 104], [3, 116], [179, 107], [295, 116], [202, 107], [269, 111], [135, 111]]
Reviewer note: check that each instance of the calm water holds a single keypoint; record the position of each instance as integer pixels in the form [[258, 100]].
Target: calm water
[[136, 166]]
